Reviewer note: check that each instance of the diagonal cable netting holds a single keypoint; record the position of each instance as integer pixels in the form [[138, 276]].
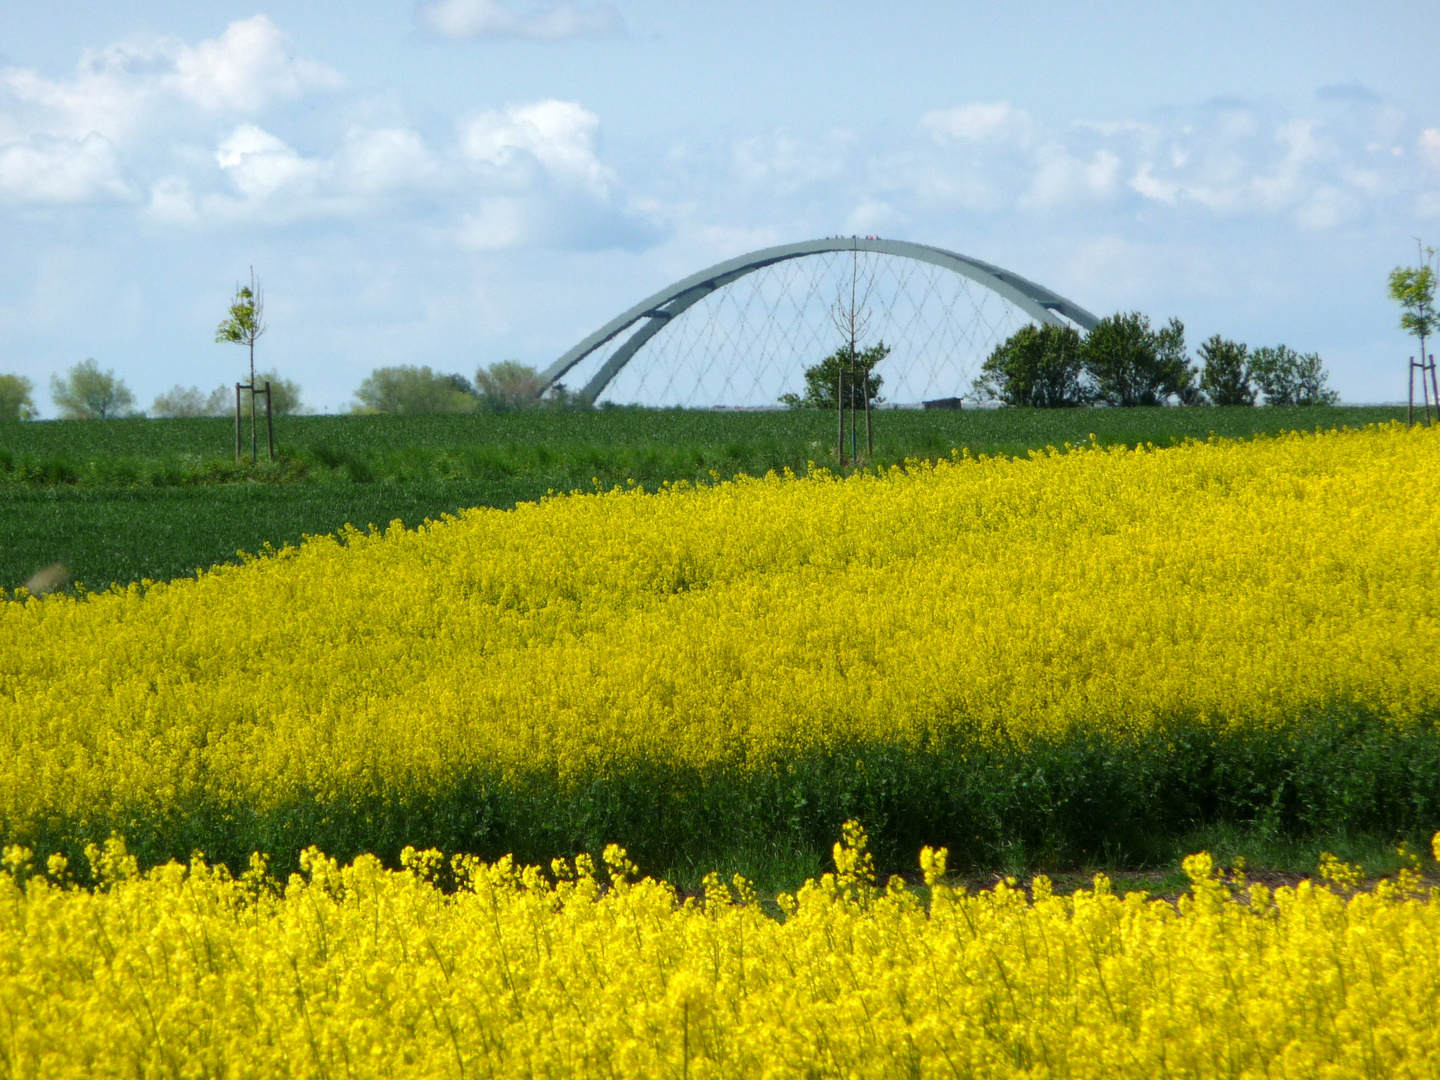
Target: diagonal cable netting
[[749, 342]]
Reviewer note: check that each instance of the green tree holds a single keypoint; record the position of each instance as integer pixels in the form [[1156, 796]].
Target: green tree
[[244, 325], [1037, 366], [1225, 372], [1286, 377], [1131, 364], [1413, 288], [15, 400], [87, 393], [412, 391], [508, 386], [822, 379], [284, 393]]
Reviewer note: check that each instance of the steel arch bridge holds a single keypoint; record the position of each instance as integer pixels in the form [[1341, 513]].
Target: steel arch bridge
[[656, 312]]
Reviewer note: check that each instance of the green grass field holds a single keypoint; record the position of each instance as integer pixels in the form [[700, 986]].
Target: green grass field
[[123, 500]]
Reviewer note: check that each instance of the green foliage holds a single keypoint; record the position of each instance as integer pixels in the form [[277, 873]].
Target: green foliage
[[1413, 288], [823, 379], [414, 391], [87, 393], [1072, 799], [15, 400], [245, 322], [508, 386], [1225, 374], [284, 393], [1037, 366], [185, 402], [1286, 377], [1131, 364]]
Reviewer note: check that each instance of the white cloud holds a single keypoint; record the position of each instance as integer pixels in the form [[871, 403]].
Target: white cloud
[[385, 160], [493, 19], [1428, 144], [60, 170], [262, 166], [86, 137], [979, 122], [110, 93], [540, 181], [245, 67], [550, 139], [1063, 179], [786, 165]]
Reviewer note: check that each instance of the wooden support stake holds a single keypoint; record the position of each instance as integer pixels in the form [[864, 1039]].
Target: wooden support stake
[[269, 420], [238, 436]]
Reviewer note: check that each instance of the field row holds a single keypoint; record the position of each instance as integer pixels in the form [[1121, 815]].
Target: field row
[[587, 971], [117, 501], [1068, 653]]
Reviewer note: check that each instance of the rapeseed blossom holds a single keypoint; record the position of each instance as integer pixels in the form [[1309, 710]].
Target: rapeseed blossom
[[725, 631], [361, 971]]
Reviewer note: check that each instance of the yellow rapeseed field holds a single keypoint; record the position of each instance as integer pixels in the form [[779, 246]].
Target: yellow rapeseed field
[[730, 629], [364, 972]]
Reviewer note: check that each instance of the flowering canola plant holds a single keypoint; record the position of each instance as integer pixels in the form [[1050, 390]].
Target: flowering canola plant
[[363, 971], [726, 631]]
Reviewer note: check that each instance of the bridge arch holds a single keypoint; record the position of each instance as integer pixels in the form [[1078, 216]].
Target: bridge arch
[[655, 312]]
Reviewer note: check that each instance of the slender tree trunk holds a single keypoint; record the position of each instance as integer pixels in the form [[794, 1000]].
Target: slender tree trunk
[[1410, 410], [840, 413], [869, 435], [254, 434], [1433, 388]]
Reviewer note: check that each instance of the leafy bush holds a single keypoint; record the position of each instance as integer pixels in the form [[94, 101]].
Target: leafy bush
[[413, 391], [1286, 377], [87, 393], [1131, 364], [1039, 366], [822, 379], [1225, 374], [15, 400]]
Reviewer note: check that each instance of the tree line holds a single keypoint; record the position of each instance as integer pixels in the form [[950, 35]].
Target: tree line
[[1124, 361], [85, 392]]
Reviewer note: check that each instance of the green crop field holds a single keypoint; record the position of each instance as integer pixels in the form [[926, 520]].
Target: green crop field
[[123, 500]]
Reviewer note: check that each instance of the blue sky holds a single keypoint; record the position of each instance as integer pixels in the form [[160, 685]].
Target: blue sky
[[463, 181]]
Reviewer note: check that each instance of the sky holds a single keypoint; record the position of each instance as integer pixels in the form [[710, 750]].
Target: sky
[[458, 182]]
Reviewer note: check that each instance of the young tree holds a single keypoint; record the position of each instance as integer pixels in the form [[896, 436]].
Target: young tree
[[1225, 375], [87, 393], [1037, 366], [1286, 377], [508, 386], [411, 391], [1131, 364], [244, 326], [822, 379], [1413, 288], [15, 400]]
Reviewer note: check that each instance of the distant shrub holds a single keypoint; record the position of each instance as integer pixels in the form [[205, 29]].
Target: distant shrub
[[1286, 377], [284, 393], [15, 400], [412, 391], [87, 393], [508, 386], [182, 401]]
